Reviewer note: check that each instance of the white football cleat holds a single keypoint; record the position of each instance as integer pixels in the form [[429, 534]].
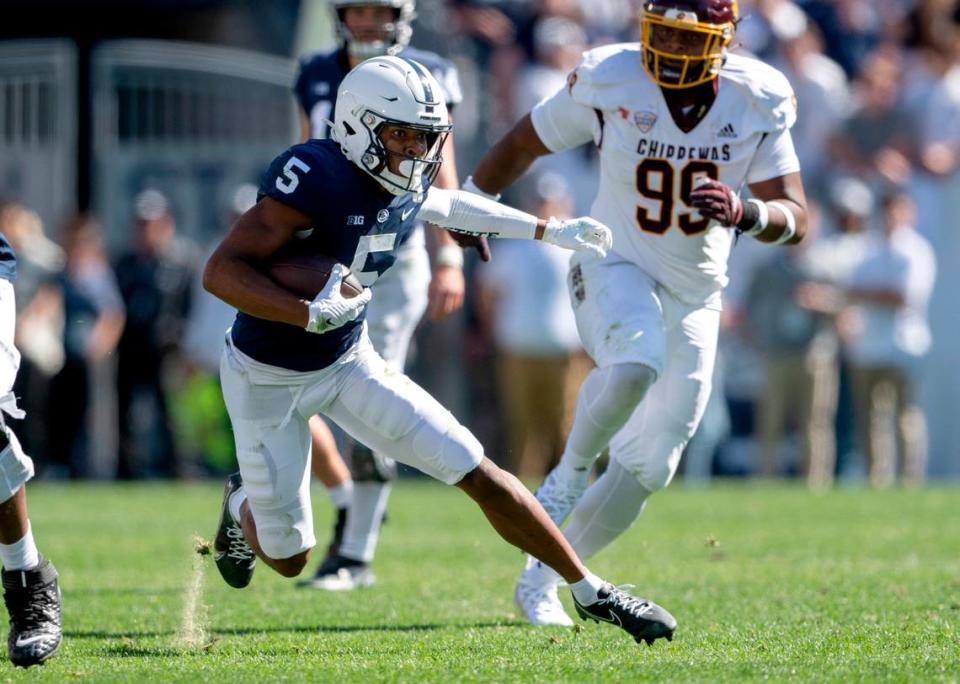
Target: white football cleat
[[558, 496], [536, 595]]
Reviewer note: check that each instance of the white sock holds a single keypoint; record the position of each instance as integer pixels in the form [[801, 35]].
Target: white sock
[[342, 494], [235, 502], [364, 519], [22, 554], [585, 591]]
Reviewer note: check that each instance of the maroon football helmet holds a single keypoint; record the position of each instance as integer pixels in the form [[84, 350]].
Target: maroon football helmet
[[684, 41]]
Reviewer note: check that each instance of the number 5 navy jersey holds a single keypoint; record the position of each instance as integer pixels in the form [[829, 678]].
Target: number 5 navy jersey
[[321, 73], [352, 219]]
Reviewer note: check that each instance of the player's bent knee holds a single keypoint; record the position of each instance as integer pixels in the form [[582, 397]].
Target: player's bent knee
[[654, 460], [657, 477], [282, 543], [293, 566], [15, 466], [630, 381], [367, 466], [448, 456]]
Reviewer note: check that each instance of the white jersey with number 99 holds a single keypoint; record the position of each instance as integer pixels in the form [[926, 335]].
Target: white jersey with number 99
[[649, 166]]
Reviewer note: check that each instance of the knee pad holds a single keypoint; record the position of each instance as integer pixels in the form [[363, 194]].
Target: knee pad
[[367, 466], [15, 466], [630, 381], [620, 389], [283, 542], [451, 455], [653, 458]]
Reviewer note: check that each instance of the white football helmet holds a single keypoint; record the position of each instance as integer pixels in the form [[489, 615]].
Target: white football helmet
[[397, 33], [391, 91]]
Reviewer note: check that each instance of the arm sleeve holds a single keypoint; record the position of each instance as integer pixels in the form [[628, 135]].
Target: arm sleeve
[[466, 212], [563, 123], [775, 157]]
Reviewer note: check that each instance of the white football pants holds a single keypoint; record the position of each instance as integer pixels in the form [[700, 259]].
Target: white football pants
[[625, 317], [269, 408]]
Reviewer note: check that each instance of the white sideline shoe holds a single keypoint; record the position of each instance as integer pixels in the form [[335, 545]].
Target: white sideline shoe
[[537, 597]]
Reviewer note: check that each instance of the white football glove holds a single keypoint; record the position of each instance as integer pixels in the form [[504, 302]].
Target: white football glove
[[581, 234], [330, 309]]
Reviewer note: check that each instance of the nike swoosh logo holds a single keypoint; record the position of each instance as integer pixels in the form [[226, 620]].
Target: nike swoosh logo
[[30, 640], [218, 555], [390, 99], [614, 618], [405, 214]]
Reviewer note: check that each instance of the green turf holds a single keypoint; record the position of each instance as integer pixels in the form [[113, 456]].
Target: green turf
[[767, 584]]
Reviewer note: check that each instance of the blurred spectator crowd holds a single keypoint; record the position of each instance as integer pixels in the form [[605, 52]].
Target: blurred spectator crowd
[[823, 346]]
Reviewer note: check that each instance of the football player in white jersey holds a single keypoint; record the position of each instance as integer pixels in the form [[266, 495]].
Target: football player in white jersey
[[682, 126]]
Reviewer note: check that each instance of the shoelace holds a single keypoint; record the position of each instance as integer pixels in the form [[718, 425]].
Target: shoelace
[[239, 548], [631, 604]]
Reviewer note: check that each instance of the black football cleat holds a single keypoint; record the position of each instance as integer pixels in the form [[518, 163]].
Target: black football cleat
[[339, 573], [642, 619], [235, 559], [33, 603]]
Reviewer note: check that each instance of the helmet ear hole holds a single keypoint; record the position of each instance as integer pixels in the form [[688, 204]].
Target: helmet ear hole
[[349, 129]]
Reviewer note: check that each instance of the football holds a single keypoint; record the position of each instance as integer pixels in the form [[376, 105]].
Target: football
[[306, 274]]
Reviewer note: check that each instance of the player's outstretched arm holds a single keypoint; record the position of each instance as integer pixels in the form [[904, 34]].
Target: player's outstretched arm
[[231, 272], [507, 160], [776, 212], [471, 213]]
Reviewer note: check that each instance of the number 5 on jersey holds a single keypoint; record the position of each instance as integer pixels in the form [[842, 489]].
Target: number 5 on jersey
[[289, 181], [664, 192]]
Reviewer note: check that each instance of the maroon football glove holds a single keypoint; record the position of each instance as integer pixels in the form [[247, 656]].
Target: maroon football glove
[[717, 201], [478, 242]]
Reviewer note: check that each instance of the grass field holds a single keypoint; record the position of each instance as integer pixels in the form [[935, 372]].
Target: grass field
[[767, 583]]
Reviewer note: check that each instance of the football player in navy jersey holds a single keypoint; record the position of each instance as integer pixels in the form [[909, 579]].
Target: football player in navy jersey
[[30, 589], [365, 29], [356, 197]]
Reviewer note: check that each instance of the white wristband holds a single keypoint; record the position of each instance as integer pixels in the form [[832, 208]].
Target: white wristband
[[791, 228], [763, 217], [449, 255], [470, 186]]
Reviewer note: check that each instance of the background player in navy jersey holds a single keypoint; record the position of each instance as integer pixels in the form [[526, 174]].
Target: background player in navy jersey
[[365, 29], [30, 588], [355, 198]]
